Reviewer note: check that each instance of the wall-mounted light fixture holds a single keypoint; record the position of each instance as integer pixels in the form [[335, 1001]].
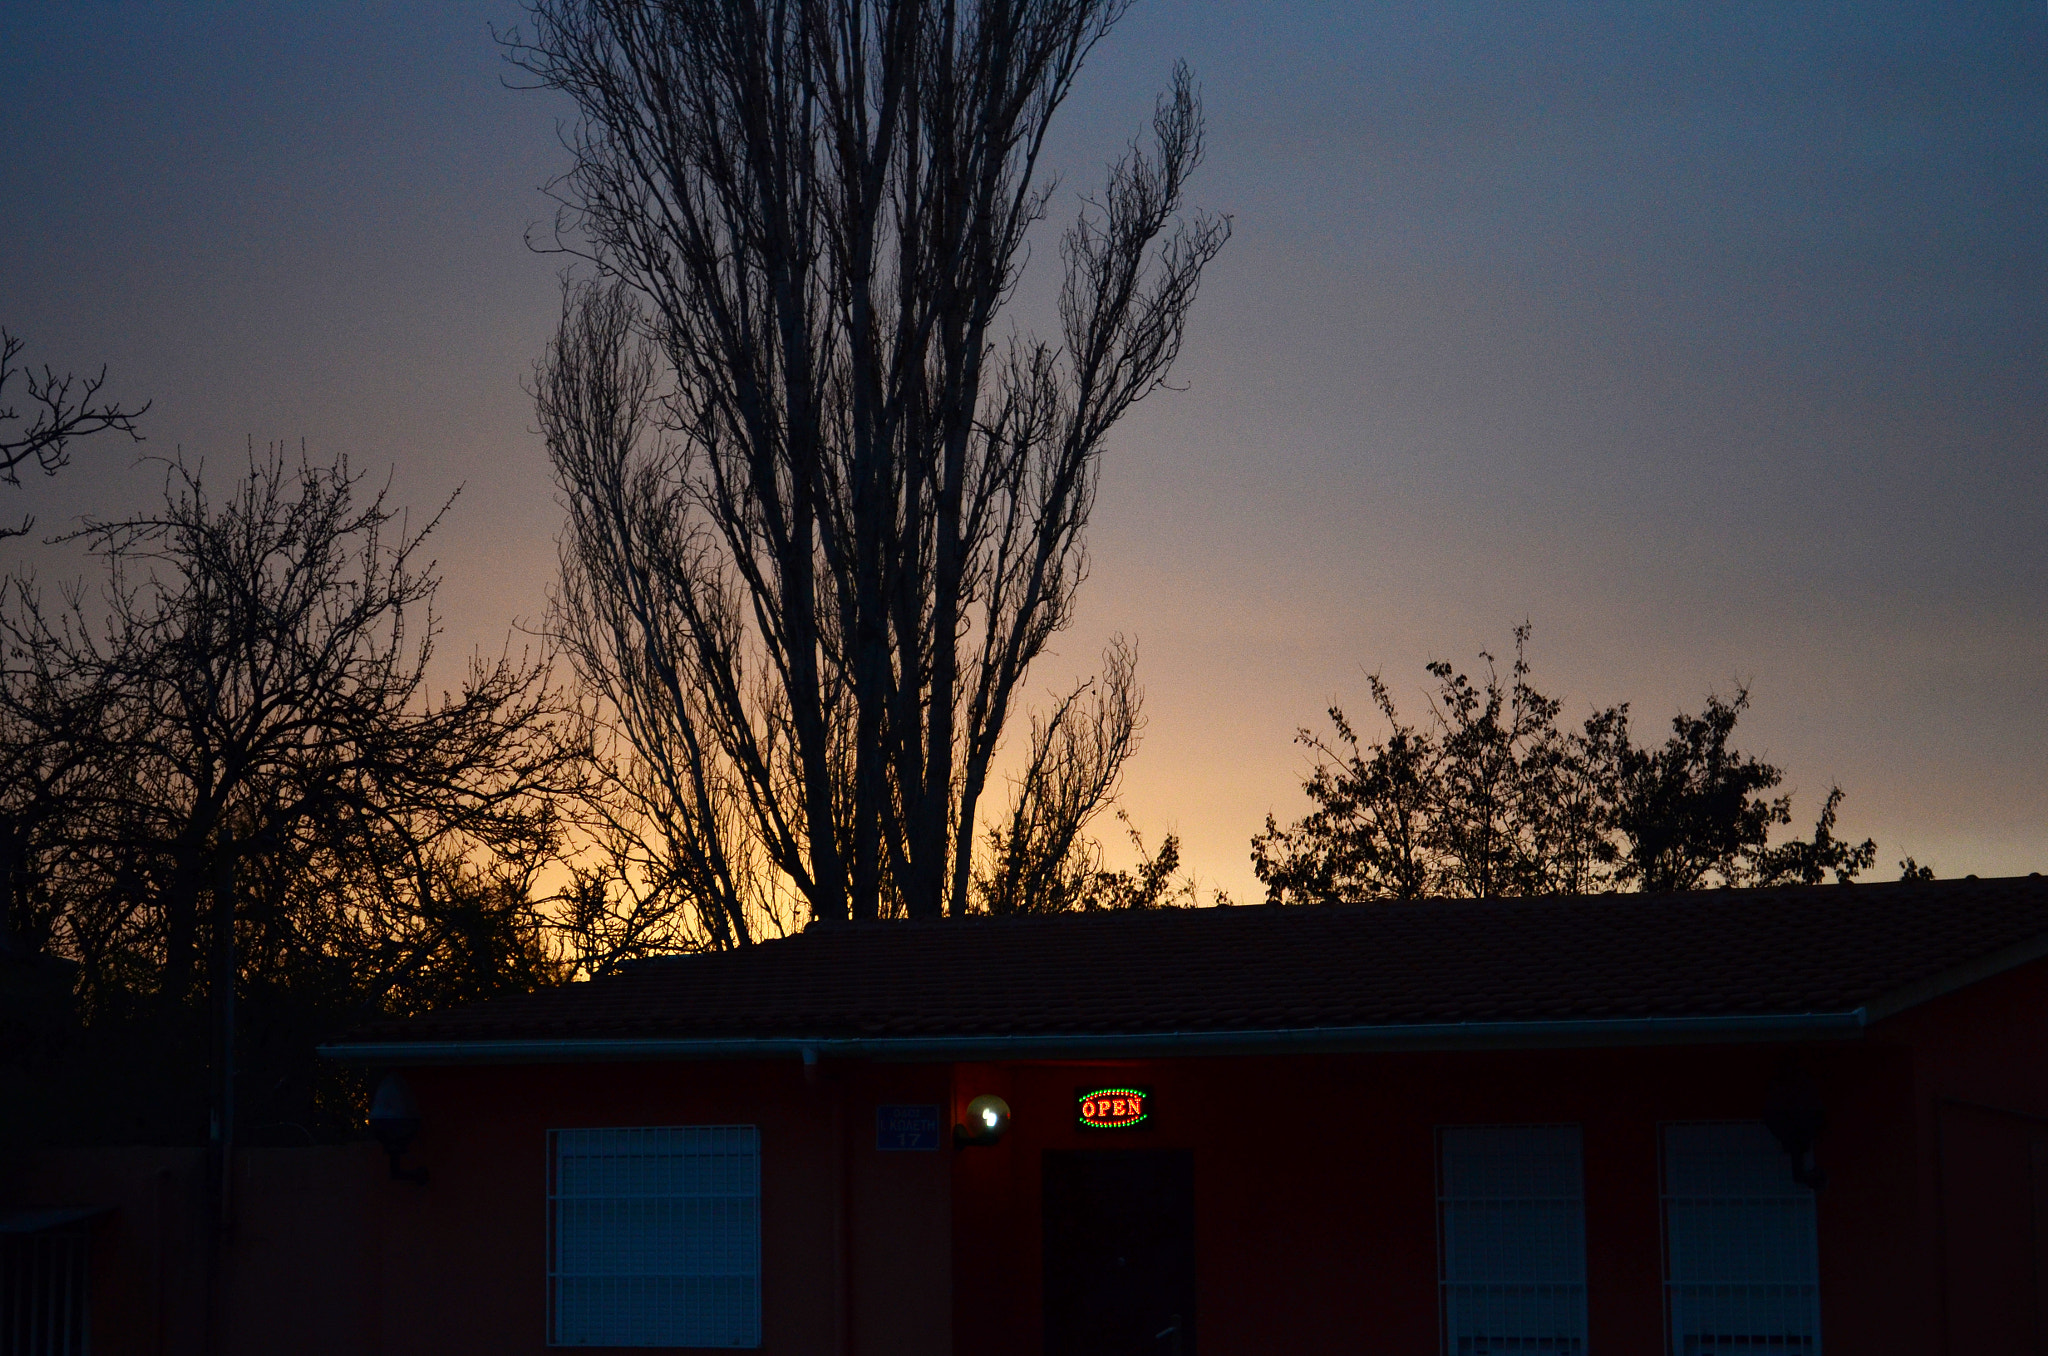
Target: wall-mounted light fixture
[[394, 1120], [988, 1116], [1794, 1114]]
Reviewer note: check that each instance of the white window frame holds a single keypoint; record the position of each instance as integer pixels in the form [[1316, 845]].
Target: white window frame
[[1480, 1291], [1773, 1288], [660, 1196]]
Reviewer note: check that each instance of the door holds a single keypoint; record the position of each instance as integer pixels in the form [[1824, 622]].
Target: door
[[1994, 1239], [1119, 1252]]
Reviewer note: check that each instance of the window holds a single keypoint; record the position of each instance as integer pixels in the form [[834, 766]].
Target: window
[[654, 1237], [1741, 1272], [44, 1268], [1512, 1226]]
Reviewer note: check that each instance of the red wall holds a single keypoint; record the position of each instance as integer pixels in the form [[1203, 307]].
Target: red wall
[[1315, 1183], [1980, 1115], [294, 1272], [854, 1242], [1316, 1197]]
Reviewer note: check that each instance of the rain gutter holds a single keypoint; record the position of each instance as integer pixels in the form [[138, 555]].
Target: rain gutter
[[1565, 1033]]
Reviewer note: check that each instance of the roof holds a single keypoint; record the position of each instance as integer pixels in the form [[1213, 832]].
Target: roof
[[1723, 964]]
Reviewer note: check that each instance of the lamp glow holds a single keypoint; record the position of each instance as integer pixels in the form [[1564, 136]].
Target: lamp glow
[[988, 1116]]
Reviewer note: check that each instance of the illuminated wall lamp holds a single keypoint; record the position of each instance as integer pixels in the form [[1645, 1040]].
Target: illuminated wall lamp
[[988, 1117], [394, 1120]]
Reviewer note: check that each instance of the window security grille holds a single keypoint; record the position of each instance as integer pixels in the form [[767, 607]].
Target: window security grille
[[1740, 1256], [1512, 1225], [43, 1305], [654, 1237]]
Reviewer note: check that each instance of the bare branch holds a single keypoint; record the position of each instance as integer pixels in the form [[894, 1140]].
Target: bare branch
[[61, 409], [806, 576]]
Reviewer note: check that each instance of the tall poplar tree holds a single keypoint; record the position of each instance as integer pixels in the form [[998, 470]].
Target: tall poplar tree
[[825, 510]]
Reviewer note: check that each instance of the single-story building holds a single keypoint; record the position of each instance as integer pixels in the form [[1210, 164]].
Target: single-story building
[[1777, 1121]]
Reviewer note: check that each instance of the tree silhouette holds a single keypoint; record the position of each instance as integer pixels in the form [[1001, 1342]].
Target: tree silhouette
[[224, 779], [1489, 797], [60, 410], [824, 514]]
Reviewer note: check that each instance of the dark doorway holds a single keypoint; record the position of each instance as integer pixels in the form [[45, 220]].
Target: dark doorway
[[1119, 1252], [1994, 1216]]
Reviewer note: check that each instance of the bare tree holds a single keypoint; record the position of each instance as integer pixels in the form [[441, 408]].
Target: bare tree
[[1040, 857], [650, 628], [255, 675], [60, 409], [227, 770], [823, 515]]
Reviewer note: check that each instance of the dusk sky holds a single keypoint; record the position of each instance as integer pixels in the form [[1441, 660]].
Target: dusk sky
[[1710, 339]]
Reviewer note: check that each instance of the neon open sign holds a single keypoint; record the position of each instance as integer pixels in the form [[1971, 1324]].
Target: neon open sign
[[1114, 1108]]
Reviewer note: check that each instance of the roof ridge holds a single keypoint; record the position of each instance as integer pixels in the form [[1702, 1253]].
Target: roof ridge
[[1715, 953]]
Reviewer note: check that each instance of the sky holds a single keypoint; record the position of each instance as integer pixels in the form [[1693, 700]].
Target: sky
[[1711, 340]]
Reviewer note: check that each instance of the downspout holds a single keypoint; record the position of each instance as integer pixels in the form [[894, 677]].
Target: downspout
[[837, 1163], [224, 903], [161, 1290], [842, 1224], [1941, 1232], [221, 984]]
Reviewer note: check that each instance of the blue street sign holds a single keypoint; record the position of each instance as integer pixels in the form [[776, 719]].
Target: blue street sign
[[901, 1128]]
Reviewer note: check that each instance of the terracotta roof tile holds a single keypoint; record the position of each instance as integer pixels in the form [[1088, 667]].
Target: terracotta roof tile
[[1795, 950]]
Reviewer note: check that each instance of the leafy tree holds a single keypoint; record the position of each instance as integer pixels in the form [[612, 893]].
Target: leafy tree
[[1489, 797], [824, 512], [1693, 812]]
